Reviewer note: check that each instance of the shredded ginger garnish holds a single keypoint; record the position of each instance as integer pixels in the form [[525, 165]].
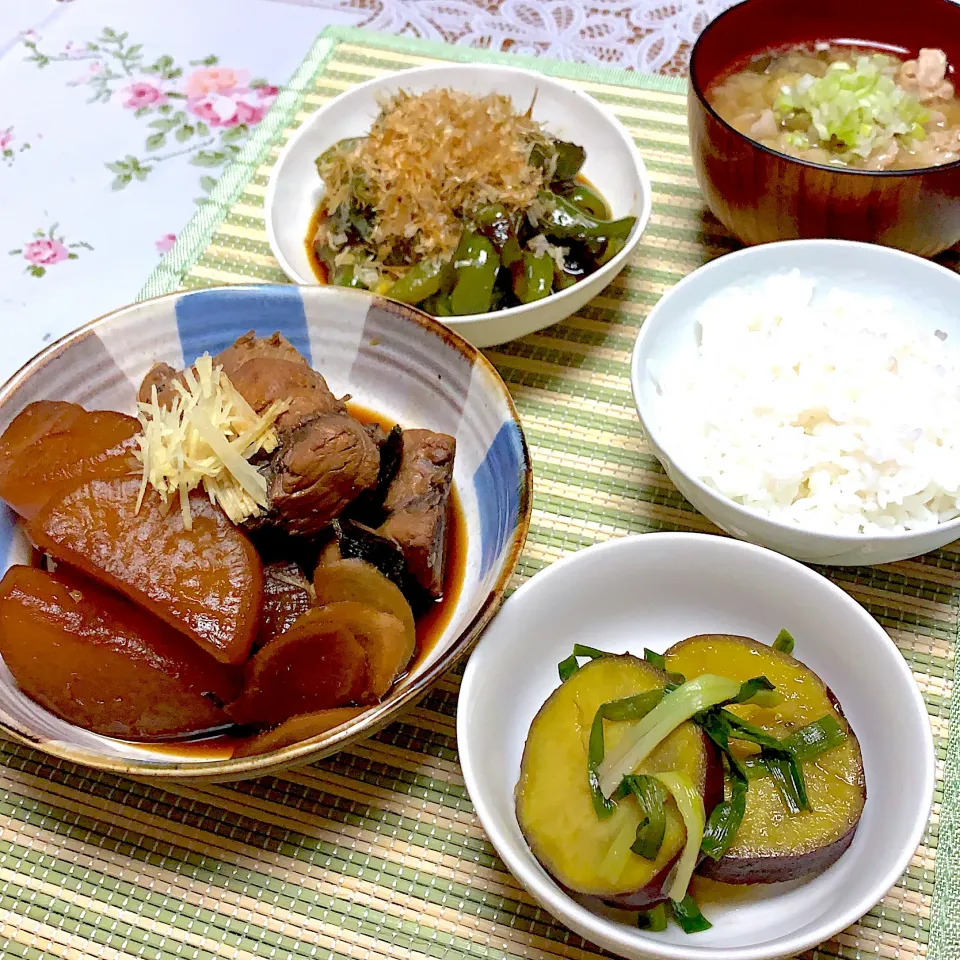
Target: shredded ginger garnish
[[206, 439]]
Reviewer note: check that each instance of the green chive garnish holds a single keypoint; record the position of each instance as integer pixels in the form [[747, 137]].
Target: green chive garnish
[[651, 795], [788, 777], [627, 708], [784, 642], [725, 820], [567, 668], [654, 919], [688, 915]]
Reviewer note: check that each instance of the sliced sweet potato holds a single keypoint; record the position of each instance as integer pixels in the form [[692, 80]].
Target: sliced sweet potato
[[206, 582], [52, 444], [361, 582], [297, 729], [771, 844], [554, 807], [94, 659]]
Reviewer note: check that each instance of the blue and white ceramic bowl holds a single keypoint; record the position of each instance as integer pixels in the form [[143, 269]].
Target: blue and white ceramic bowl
[[389, 358]]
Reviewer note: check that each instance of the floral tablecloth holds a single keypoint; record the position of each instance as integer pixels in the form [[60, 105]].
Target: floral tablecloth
[[117, 116]]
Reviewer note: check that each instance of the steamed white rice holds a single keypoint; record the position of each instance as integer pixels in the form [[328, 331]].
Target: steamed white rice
[[821, 408]]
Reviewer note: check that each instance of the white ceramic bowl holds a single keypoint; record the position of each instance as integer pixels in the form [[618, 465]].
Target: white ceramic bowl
[[653, 590], [613, 164], [929, 294], [391, 359]]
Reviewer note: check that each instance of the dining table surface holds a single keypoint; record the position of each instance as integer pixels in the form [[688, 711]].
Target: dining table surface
[[137, 138]]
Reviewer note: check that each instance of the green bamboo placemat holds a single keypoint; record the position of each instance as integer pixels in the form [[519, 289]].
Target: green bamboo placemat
[[377, 853]]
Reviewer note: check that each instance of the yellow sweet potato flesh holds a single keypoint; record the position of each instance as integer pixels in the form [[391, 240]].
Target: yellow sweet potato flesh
[[554, 808], [771, 843]]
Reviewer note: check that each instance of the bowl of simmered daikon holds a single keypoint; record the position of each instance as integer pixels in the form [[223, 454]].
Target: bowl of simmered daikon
[[799, 131], [244, 527]]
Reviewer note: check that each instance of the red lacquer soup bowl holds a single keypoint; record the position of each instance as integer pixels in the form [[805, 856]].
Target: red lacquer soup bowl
[[761, 195]]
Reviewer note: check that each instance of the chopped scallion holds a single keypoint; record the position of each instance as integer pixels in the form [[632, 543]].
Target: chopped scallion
[[788, 777], [627, 708], [784, 642], [675, 708], [650, 795], [660, 661], [815, 738], [654, 919], [567, 668], [727, 816], [688, 915], [657, 659], [690, 804], [751, 688]]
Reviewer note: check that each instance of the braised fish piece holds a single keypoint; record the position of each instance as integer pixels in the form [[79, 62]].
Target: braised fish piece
[[263, 369], [417, 503], [319, 470]]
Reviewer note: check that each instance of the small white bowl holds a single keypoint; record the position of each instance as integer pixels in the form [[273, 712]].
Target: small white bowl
[[652, 591], [613, 165], [929, 295]]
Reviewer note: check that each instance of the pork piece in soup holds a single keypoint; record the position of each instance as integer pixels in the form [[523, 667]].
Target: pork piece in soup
[[844, 106]]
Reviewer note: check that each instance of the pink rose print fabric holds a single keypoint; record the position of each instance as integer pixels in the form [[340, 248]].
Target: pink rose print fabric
[[46, 249], [165, 243], [202, 110]]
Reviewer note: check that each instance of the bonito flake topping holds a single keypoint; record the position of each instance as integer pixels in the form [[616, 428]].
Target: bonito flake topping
[[429, 161], [206, 438]]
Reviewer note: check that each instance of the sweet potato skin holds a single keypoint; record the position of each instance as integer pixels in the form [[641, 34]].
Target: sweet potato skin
[[92, 658], [206, 582], [52, 444], [558, 820], [773, 846]]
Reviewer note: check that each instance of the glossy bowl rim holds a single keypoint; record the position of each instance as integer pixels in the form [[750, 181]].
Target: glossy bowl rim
[[607, 272], [372, 720], [655, 435], [700, 94]]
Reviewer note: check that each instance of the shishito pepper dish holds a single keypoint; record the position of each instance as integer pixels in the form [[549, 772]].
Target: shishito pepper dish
[[461, 205]]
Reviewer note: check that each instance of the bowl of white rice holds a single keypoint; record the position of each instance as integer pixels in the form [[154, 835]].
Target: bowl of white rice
[[806, 396]]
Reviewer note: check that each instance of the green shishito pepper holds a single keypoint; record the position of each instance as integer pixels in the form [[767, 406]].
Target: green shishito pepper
[[534, 278], [588, 200], [476, 264], [346, 276], [563, 220], [493, 221], [570, 158], [422, 280]]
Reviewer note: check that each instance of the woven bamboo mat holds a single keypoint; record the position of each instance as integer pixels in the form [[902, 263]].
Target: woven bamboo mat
[[377, 853]]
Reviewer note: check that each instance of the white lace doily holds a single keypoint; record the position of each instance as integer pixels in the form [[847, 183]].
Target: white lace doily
[[649, 35]]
